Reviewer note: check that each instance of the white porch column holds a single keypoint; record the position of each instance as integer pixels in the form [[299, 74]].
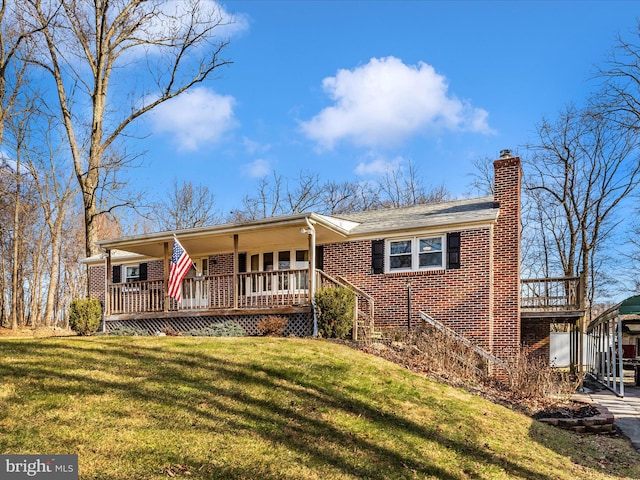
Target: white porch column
[[236, 270], [311, 231], [107, 290], [165, 277]]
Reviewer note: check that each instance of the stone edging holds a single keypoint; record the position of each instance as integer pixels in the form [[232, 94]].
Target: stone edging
[[601, 423]]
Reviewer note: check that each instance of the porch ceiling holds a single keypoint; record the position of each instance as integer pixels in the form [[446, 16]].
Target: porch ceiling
[[201, 242]]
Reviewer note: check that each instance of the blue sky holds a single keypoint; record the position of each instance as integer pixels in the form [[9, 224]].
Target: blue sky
[[346, 89]]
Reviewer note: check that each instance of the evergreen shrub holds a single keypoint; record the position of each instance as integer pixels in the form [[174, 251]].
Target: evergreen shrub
[[85, 315], [335, 306], [228, 328]]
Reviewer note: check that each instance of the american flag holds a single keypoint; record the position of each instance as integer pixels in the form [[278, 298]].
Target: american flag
[[180, 265]]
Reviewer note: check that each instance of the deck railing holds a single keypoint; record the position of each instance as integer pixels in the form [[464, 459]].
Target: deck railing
[[136, 297], [255, 289], [551, 294], [275, 288]]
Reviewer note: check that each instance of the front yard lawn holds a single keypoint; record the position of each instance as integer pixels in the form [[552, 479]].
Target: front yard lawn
[[269, 408]]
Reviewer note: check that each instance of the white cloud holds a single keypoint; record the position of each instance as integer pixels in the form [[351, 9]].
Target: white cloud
[[194, 118], [190, 17], [252, 147], [385, 101], [257, 169], [378, 166]]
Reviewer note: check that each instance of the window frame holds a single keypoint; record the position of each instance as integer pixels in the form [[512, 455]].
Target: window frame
[[271, 261], [414, 242], [131, 278]]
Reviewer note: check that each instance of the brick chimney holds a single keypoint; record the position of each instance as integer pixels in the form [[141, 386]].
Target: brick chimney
[[506, 257]]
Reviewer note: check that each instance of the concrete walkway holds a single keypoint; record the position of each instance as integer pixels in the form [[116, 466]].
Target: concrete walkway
[[625, 410]]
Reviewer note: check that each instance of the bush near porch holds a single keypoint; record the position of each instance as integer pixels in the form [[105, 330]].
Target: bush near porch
[[335, 306]]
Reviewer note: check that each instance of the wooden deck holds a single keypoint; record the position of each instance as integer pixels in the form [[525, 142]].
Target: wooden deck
[[560, 297]]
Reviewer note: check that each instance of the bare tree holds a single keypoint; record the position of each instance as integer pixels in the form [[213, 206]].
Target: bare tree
[[187, 206], [403, 187], [344, 197], [86, 46], [482, 176], [584, 166], [55, 187]]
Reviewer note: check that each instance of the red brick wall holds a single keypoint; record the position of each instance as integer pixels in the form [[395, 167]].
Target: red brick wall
[[97, 281], [221, 264], [506, 342], [535, 337], [480, 300], [155, 270], [459, 298]]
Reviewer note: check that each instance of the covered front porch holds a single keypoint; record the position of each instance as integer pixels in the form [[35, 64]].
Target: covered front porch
[[267, 267]]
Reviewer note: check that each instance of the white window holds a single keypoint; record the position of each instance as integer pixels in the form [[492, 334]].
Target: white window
[[279, 264], [416, 253], [132, 273]]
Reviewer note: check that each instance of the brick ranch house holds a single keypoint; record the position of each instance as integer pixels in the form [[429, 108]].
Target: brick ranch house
[[458, 262]]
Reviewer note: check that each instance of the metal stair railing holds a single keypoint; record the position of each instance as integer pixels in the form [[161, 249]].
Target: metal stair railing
[[465, 341]]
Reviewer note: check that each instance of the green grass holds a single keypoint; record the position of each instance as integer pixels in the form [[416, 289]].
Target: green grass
[[264, 408]]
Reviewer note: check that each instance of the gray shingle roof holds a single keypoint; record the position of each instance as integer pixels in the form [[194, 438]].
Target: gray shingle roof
[[455, 213]]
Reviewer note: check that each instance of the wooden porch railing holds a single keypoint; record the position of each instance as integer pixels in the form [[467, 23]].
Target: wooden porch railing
[[279, 287], [255, 289], [551, 294]]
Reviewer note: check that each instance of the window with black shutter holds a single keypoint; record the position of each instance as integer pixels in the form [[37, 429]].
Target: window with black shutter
[[377, 256], [453, 250], [242, 262], [143, 272], [320, 257], [116, 274]]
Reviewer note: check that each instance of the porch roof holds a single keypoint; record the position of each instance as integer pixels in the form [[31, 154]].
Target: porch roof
[[251, 235]]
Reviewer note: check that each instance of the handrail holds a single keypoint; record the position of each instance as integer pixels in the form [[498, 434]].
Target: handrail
[[551, 294], [257, 289], [464, 340], [368, 317]]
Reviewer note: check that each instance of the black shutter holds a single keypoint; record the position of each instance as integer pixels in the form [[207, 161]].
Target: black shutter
[[377, 256], [143, 272], [242, 262], [116, 276], [320, 257], [453, 250]]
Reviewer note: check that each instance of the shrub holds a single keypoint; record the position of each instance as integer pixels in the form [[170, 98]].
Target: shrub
[[272, 325], [170, 331], [129, 332], [228, 328], [335, 307], [85, 315]]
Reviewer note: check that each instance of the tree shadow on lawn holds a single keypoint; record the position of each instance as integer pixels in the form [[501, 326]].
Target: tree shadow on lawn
[[284, 406], [605, 452]]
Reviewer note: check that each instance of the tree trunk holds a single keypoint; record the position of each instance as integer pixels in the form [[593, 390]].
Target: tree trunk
[[15, 260]]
